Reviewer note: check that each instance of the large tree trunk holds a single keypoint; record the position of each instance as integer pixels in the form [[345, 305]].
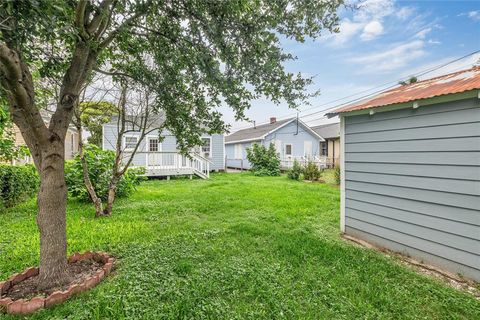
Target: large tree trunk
[[51, 219]]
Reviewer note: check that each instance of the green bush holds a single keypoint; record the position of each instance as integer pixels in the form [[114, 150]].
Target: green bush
[[296, 171], [265, 162], [100, 163], [311, 171], [336, 174], [17, 184]]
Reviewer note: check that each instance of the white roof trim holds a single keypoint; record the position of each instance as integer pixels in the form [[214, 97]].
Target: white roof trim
[[263, 136], [244, 140], [279, 127], [311, 130]]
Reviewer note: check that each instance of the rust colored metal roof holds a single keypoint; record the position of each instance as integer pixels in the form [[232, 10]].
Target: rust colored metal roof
[[456, 82]]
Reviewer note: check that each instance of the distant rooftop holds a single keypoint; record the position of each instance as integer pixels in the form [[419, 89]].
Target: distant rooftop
[[328, 131], [456, 82], [255, 132]]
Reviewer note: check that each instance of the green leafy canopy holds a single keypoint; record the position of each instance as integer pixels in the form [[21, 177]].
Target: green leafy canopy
[[196, 56]]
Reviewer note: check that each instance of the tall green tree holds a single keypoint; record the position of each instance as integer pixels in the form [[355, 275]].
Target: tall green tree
[[194, 54], [94, 114], [9, 150]]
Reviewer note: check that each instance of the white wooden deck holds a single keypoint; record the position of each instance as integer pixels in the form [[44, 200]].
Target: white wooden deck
[[287, 163], [161, 164]]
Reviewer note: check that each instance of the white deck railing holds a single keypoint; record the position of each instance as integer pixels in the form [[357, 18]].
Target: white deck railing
[[174, 163], [320, 161]]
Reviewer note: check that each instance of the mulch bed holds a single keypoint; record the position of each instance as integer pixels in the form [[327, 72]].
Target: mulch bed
[[20, 295], [77, 272]]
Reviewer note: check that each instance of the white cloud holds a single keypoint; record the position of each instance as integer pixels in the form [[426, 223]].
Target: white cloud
[[394, 58], [348, 29], [474, 15], [423, 33], [368, 21], [404, 12], [372, 30], [434, 42]]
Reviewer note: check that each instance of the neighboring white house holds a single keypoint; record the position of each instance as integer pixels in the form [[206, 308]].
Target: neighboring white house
[[330, 148], [410, 172], [292, 138], [162, 158]]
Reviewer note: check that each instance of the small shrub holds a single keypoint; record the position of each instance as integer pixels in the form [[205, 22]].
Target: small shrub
[[100, 163], [17, 184], [311, 171], [296, 171], [265, 162], [336, 175]]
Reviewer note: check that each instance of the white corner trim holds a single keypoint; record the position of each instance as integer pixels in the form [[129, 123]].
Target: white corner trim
[[224, 153], [342, 173], [103, 137]]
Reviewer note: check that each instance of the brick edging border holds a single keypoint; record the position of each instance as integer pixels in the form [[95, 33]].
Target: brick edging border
[[24, 307]]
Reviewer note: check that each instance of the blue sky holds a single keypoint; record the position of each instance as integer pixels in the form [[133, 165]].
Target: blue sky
[[382, 42]]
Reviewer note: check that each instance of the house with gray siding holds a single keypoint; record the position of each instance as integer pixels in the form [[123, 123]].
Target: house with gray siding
[[410, 172], [292, 138], [159, 154]]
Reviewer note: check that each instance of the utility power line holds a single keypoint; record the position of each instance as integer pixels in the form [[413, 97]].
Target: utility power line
[[391, 84], [360, 99]]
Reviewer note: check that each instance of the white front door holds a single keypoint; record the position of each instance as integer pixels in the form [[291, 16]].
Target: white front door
[[307, 147]]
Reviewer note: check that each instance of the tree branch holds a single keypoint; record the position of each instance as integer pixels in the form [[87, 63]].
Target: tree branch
[[17, 82], [80, 18], [124, 24], [112, 73]]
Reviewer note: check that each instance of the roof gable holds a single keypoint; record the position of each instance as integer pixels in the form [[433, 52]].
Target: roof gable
[[256, 132]]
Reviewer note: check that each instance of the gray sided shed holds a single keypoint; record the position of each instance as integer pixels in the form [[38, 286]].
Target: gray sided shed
[[411, 180]]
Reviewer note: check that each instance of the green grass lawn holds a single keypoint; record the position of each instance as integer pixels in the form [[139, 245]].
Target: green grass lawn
[[233, 247]]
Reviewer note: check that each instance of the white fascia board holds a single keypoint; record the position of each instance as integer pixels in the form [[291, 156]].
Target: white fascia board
[[245, 140], [311, 131], [263, 136]]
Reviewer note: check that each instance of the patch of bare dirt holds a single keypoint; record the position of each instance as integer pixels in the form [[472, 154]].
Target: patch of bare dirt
[[446, 277], [77, 272]]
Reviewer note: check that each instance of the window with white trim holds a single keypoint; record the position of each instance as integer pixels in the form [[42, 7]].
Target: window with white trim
[[206, 147], [288, 149], [324, 148], [130, 142], [153, 145]]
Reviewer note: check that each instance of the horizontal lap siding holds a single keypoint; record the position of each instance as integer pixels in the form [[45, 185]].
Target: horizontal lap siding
[[168, 144], [218, 152], [412, 180]]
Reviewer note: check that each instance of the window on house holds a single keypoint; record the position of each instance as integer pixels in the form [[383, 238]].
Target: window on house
[[324, 148], [288, 149], [206, 147], [130, 143], [153, 144], [238, 151]]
